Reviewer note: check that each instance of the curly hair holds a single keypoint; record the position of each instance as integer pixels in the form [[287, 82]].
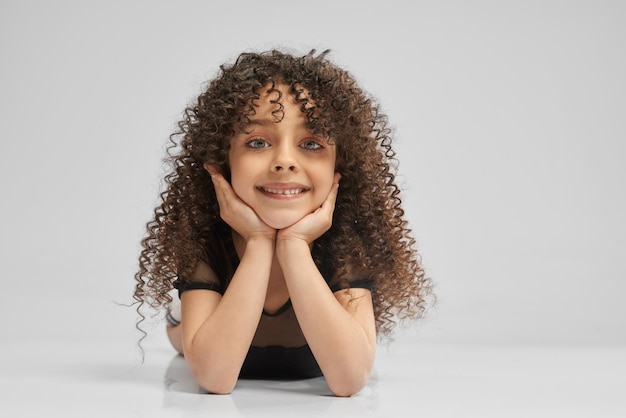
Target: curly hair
[[369, 231]]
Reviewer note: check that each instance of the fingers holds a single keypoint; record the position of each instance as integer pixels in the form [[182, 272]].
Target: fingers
[[315, 224], [223, 190], [226, 198], [234, 211]]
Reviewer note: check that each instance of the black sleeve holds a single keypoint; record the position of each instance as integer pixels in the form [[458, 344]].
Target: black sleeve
[[183, 286], [355, 284], [202, 278]]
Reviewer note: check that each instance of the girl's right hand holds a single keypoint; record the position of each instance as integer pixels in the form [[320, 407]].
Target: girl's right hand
[[235, 212]]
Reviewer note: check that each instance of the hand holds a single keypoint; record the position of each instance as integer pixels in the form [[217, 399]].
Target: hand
[[313, 225], [235, 212]]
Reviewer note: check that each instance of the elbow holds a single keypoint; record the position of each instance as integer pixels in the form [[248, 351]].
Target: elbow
[[212, 372], [345, 387], [216, 385], [214, 378], [219, 389], [351, 379], [346, 390]]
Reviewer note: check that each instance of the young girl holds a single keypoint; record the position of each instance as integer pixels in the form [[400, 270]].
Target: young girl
[[281, 228]]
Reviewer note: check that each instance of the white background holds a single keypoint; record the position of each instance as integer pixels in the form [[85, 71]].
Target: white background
[[510, 126]]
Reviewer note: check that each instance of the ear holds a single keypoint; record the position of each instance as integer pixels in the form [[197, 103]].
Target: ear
[[211, 169]]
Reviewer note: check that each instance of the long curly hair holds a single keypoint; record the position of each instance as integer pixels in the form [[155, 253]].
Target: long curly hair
[[369, 231]]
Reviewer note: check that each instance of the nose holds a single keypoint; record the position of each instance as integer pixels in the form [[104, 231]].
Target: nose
[[284, 167], [285, 159]]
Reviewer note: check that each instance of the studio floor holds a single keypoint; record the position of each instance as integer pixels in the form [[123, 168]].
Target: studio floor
[[89, 378]]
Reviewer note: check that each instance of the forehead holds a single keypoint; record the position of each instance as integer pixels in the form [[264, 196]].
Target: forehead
[[279, 104], [275, 104]]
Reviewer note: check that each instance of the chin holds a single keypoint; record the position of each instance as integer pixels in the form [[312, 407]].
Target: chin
[[281, 222]]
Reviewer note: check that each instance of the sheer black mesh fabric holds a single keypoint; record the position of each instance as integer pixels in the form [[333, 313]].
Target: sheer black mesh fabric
[[279, 349]]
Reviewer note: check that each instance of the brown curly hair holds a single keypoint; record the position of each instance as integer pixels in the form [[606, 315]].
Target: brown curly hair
[[369, 232]]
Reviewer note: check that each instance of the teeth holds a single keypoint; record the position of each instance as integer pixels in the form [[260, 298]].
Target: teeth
[[284, 191]]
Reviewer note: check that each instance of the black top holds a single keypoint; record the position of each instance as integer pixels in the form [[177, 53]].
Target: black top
[[279, 349]]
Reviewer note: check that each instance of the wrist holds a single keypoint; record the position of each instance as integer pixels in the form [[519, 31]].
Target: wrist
[[254, 241], [291, 244], [260, 240]]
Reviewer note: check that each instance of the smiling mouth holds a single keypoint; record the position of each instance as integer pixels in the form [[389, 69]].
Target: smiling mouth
[[286, 192]]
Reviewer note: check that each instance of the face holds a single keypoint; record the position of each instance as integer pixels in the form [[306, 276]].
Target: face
[[280, 169]]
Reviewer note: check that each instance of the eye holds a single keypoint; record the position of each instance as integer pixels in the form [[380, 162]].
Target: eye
[[311, 145], [257, 143]]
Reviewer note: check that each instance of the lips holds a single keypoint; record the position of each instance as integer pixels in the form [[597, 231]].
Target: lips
[[283, 189]]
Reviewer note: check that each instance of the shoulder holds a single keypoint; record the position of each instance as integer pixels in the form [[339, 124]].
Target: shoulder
[[351, 277]]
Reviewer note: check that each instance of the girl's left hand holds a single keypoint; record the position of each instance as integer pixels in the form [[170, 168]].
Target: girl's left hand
[[313, 225]]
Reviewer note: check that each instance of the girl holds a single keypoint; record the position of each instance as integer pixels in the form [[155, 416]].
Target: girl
[[281, 228]]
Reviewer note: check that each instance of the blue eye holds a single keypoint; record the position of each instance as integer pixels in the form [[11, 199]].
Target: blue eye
[[311, 145], [257, 143]]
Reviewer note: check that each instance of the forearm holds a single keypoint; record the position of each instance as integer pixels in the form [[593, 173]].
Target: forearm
[[217, 342], [343, 345]]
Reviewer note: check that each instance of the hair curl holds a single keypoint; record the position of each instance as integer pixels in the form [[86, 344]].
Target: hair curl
[[369, 232]]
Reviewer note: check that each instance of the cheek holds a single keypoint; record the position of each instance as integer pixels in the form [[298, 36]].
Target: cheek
[[242, 191], [238, 181], [325, 183]]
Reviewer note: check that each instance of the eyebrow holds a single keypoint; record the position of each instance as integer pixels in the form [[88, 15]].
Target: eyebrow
[[264, 122], [259, 122]]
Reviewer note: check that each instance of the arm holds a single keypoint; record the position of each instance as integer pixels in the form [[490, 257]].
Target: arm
[[218, 331], [342, 335], [340, 332]]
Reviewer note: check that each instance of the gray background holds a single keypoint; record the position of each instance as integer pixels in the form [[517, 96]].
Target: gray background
[[510, 127]]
